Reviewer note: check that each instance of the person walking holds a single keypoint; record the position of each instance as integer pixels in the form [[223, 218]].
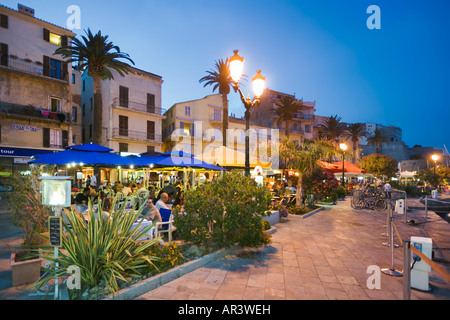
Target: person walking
[[387, 190]]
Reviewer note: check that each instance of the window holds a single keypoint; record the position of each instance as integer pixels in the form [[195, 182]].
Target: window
[[55, 68], [123, 126], [308, 128], [4, 54], [150, 103], [91, 101], [150, 148], [84, 85], [84, 109], [65, 139], [55, 139], [187, 111], [55, 104], [123, 96], [54, 38], [73, 79], [74, 114], [217, 115], [4, 21], [90, 131], [123, 147], [150, 130]]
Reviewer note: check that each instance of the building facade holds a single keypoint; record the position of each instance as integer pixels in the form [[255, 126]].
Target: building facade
[[36, 101], [132, 113]]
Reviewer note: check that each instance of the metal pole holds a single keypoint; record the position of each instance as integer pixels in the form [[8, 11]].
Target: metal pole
[[406, 270], [391, 271], [388, 225]]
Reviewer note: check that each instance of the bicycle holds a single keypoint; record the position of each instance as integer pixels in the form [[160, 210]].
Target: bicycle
[[371, 202]]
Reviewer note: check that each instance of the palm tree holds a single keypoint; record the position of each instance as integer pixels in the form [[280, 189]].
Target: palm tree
[[377, 140], [98, 56], [221, 79], [332, 129], [305, 159], [353, 132], [287, 107]]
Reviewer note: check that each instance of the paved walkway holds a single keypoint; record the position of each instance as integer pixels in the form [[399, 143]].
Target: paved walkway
[[322, 257]]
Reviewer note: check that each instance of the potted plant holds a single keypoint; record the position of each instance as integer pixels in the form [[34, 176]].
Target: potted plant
[[28, 213]]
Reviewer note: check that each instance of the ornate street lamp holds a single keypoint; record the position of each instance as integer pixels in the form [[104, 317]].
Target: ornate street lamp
[[435, 158], [259, 83], [344, 148]]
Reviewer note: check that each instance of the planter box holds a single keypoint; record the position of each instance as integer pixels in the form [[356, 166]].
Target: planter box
[[274, 218], [24, 272]]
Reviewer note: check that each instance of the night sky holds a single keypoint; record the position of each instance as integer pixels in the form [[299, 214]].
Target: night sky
[[319, 50]]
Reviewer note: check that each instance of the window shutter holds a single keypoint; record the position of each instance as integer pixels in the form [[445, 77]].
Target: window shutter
[[65, 139], [4, 21], [64, 71], [64, 41], [46, 138], [123, 96], [46, 66], [4, 55], [150, 103], [150, 130], [46, 35]]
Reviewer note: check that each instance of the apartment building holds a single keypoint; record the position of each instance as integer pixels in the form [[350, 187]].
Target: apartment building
[[301, 126], [196, 127], [36, 101], [132, 113]]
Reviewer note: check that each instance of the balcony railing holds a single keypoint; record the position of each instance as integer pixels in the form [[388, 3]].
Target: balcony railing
[[31, 67], [33, 112], [303, 116], [138, 107], [125, 134]]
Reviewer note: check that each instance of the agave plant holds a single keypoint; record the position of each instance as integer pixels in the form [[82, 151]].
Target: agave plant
[[107, 251]]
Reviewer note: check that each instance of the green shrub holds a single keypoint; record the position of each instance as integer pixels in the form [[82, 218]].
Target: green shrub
[[266, 224], [300, 210], [108, 251], [225, 212]]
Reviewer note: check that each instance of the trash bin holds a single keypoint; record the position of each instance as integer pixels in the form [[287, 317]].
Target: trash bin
[[400, 206], [420, 269], [434, 194]]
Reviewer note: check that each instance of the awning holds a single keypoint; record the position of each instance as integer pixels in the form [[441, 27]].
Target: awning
[[336, 167]]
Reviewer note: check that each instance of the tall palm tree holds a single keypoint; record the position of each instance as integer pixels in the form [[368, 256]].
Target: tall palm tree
[[287, 107], [220, 78], [332, 129], [353, 132], [305, 158], [377, 140], [98, 56]]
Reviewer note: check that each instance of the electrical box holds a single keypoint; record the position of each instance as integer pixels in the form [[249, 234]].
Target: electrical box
[[400, 206], [420, 269], [434, 194]]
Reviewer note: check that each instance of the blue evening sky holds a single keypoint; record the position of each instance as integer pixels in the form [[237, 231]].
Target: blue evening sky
[[319, 50]]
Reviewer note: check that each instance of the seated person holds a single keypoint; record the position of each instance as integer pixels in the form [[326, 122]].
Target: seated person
[[127, 190], [161, 203], [83, 198], [150, 212]]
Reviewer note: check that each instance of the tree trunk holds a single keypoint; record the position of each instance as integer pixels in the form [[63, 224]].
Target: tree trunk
[[98, 112], [299, 196], [288, 129], [225, 119]]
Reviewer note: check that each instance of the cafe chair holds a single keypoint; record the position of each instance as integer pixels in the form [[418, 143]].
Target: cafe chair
[[166, 226]]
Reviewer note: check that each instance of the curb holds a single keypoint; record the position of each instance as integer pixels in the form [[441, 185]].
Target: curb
[[312, 213], [152, 283]]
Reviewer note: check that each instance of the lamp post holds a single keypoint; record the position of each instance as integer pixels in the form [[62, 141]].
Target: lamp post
[[344, 148], [435, 158], [259, 82]]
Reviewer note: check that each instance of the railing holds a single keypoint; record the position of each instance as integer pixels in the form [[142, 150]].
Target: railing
[[33, 112], [31, 67], [303, 117], [138, 107], [120, 133]]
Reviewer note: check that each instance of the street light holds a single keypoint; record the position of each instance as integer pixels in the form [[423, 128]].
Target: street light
[[435, 158], [344, 148], [259, 83]]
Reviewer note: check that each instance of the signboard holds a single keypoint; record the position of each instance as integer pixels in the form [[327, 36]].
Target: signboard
[[55, 231]]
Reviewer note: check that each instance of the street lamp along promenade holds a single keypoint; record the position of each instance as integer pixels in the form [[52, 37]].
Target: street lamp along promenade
[[344, 148], [435, 158], [259, 83]]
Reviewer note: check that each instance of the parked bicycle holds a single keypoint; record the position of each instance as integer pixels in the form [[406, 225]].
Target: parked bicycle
[[369, 200]]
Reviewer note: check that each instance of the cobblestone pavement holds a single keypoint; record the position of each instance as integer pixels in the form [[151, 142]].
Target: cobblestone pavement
[[323, 257]]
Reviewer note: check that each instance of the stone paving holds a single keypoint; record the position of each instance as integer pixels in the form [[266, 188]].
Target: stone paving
[[322, 257]]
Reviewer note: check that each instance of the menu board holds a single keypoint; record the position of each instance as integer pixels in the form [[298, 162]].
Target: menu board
[[55, 230]]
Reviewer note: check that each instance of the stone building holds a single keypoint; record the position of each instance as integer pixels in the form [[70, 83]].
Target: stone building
[[36, 101]]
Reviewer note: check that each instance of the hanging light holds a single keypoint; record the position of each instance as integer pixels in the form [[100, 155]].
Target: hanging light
[[236, 66], [259, 84]]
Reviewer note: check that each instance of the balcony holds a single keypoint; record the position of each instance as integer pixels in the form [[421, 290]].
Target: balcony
[[32, 113], [138, 107], [33, 68], [124, 134], [304, 116]]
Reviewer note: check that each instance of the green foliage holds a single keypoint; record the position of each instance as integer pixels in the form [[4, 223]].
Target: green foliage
[[170, 256], [301, 210], [435, 177], [108, 251], [379, 165], [225, 212], [322, 185], [27, 210]]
